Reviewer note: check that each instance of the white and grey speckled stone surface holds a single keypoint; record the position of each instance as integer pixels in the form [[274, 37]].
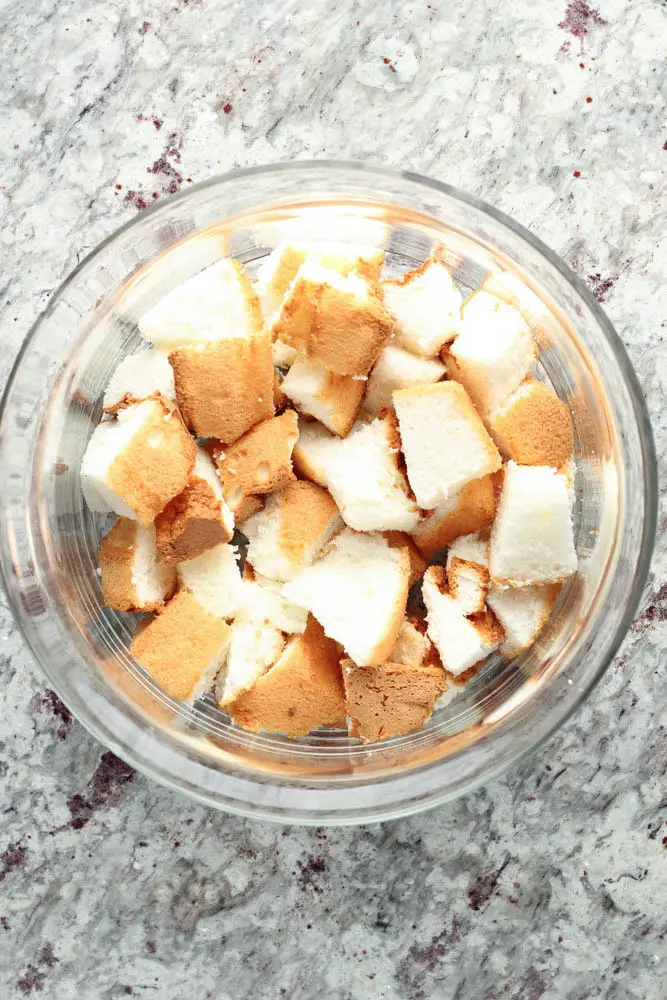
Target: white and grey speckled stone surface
[[551, 883]]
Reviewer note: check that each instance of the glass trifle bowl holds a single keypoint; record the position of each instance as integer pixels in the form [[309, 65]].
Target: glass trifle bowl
[[50, 538]]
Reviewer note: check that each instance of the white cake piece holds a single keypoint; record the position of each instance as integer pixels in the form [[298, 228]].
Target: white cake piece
[[334, 400], [357, 591], [215, 304], [461, 642], [134, 465], [468, 583], [265, 604], [412, 647], [290, 531], [523, 613], [468, 572], [215, 580], [444, 440], [366, 482], [314, 451], [472, 548], [398, 369], [426, 306], [532, 539], [139, 376], [278, 270], [493, 352], [132, 578], [252, 650]]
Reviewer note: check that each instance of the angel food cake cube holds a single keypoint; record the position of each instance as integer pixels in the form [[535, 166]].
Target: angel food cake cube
[[140, 376], [278, 271], [134, 465], [132, 578], [366, 481], [494, 351], [260, 462], [426, 306], [291, 530], [197, 519], [398, 369], [444, 440], [182, 647], [218, 303], [470, 509], [302, 691], [334, 400], [461, 642], [532, 537], [225, 387], [357, 590], [215, 580], [533, 426], [338, 321]]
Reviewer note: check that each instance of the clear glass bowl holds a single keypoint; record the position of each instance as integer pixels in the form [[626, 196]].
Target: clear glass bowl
[[49, 539]]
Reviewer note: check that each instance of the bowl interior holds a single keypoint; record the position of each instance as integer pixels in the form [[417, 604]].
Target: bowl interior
[[85, 646]]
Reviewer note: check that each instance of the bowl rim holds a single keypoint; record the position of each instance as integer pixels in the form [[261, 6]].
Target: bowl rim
[[648, 461]]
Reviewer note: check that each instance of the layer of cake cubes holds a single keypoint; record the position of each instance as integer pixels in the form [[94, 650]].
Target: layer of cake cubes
[[399, 477]]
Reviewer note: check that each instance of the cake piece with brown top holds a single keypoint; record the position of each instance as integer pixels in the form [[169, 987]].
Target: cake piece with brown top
[[279, 269], [332, 399], [291, 530], [302, 691], [132, 577], [389, 699], [338, 321], [226, 387], [197, 519], [533, 426], [261, 461], [182, 647], [412, 646], [135, 464], [470, 509]]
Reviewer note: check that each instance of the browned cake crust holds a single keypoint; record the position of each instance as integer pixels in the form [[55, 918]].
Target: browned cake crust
[[190, 524], [261, 461], [177, 646], [345, 333], [306, 511], [533, 426], [156, 464], [302, 691], [474, 510], [226, 387], [390, 699], [117, 555]]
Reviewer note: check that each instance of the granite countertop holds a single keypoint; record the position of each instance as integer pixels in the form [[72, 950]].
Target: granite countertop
[[551, 882]]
